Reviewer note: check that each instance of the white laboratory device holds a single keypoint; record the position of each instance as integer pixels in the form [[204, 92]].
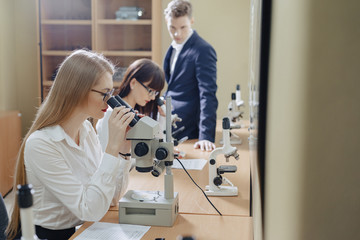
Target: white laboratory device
[[216, 180], [154, 208]]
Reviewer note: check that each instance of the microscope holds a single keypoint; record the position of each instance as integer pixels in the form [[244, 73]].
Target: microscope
[[235, 115], [173, 120], [154, 155], [216, 179], [25, 200]]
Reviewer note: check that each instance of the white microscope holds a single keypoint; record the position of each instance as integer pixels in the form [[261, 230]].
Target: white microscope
[[235, 115], [173, 120], [152, 154], [216, 179]]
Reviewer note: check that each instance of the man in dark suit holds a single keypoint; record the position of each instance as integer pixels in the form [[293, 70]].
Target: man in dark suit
[[190, 71]]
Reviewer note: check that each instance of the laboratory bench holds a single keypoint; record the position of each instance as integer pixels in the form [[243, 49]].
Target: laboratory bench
[[196, 215], [202, 227]]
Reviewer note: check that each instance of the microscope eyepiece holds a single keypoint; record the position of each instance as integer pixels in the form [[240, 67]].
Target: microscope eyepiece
[[233, 96], [123, 103], [226, 123], [25, 198], [114, 102], [160, 101]]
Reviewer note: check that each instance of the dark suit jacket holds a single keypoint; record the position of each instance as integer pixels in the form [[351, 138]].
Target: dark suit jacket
[[4, 219], [192, 88]]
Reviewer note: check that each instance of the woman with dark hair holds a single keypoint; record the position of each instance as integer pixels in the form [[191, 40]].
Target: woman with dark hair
[[140, 87]]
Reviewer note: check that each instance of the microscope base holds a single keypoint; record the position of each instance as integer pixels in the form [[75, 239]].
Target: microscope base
[[222, 191], [148, 208]]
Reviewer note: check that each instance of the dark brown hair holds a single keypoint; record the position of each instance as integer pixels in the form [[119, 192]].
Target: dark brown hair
[[178, 8], [144, 70]]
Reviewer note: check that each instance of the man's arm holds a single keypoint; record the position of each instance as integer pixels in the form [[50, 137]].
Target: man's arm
[[206, 78]]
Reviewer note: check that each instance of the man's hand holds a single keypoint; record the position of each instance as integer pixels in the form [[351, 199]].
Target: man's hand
[[204, 145]]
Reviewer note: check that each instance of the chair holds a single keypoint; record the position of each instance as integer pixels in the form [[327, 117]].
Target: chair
[[4, 219]]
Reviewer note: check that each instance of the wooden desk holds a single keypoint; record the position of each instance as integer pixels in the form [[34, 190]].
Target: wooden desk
[[197, 217], [191, 199], [203, 227]]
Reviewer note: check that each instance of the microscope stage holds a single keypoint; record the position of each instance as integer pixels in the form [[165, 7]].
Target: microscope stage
[[222, 191]]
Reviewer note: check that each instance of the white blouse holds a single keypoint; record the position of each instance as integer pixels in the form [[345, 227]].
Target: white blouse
[[72, 183]]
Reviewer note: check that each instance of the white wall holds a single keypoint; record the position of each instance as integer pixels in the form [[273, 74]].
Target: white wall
[[7, 57], [18, 59], [26, 61], [312, 182]]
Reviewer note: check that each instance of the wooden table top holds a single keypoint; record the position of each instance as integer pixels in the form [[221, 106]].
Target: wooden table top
[[203, 227], [191, 199]]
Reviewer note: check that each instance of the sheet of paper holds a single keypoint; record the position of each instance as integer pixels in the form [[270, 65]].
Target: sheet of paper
[[190, 164], [113, 231]]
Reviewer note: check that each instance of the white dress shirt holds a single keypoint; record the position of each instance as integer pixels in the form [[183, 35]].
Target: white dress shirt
[[102, 129], [176, 51], [72, 183]]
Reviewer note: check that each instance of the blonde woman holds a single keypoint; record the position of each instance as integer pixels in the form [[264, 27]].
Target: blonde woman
[[73, 179]]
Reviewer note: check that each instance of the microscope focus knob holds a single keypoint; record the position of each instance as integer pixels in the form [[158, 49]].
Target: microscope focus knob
[[161, 153], [141, 149], [218, 180]]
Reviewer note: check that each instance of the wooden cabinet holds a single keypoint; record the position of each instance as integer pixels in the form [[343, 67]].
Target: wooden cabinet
[[68, 25], [10, 138]]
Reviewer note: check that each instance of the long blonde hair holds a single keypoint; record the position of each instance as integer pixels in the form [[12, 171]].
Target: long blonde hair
[[77, 74]]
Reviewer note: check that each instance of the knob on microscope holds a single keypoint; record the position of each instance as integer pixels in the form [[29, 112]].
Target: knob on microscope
[[141, 149], [161, 153]]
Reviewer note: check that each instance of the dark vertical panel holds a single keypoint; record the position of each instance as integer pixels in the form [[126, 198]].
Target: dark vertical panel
[[263, 91]]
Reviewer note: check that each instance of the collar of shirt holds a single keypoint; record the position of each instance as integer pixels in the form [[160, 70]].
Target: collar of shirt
[[58, 134], [178, 47]]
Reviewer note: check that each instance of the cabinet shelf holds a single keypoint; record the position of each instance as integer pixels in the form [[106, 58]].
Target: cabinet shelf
[[66, 25], [65, 22], [56, 53], [124, 22], [128, 53], [47, 84]]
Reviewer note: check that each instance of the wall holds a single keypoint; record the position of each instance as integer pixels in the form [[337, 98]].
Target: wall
[[18, 59], [26, 61], [8, 92], [225, 25], [312, 152]]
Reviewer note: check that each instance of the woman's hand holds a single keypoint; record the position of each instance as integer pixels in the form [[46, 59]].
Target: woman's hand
[[118, 126]]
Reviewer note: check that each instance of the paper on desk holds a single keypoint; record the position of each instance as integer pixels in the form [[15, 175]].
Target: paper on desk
[[110, 231], [190, 164]]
